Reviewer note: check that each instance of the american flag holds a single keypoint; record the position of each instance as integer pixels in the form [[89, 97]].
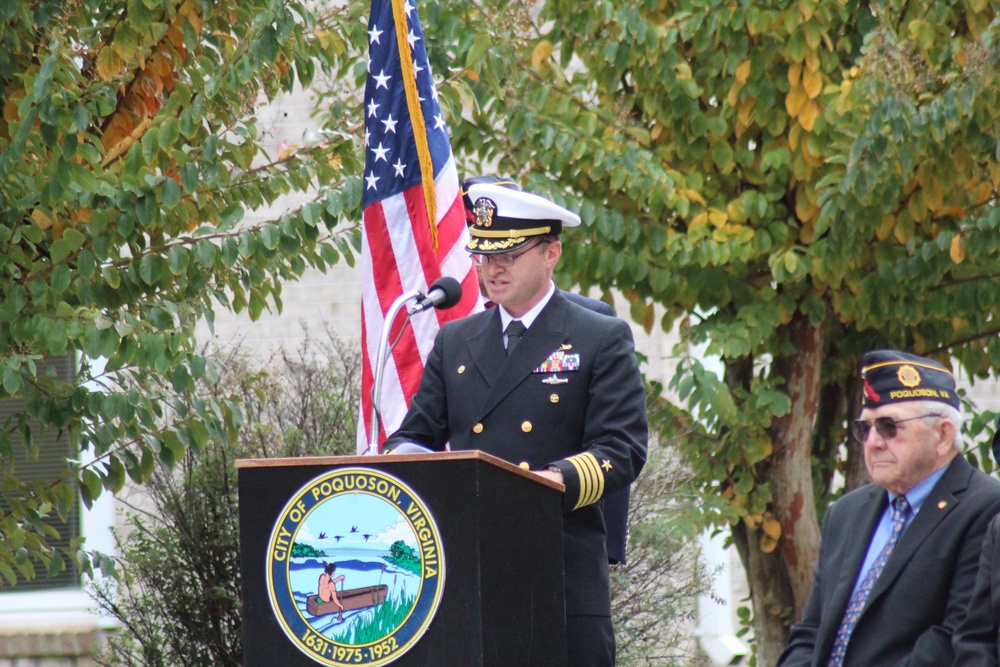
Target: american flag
[[410, 180]]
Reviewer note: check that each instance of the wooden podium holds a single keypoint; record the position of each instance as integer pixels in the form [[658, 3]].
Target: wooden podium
[[451, 559]]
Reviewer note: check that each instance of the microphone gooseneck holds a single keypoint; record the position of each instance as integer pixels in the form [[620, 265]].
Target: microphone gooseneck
[[444, 293]]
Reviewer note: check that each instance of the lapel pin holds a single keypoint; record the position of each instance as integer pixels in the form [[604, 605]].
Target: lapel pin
[[942, 504], [565, 346]]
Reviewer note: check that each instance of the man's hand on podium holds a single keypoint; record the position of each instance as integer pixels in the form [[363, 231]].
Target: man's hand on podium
[[551, 473]]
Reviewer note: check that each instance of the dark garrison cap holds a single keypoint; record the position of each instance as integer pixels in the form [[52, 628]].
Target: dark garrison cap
[[891, 376], [502, 217]]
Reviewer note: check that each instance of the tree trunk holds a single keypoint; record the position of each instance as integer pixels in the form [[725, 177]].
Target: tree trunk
[[780, 581], [770, 593], [791, 475]]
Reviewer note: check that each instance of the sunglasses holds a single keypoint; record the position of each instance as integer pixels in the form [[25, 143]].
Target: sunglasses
[[887, 427]]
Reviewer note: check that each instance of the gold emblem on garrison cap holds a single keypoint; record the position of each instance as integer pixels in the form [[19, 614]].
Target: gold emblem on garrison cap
[[485, 208], [908, 376]]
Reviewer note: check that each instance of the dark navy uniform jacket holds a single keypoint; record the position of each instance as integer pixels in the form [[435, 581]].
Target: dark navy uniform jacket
[[569, 396], [923, 593]]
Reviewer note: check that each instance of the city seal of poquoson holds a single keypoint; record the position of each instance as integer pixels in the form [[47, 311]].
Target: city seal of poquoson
[[355, 568]]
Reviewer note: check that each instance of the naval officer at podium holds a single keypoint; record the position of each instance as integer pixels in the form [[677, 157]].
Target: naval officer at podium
[[541, 381]]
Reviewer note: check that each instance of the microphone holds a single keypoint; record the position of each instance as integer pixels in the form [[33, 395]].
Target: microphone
[[445, 292]]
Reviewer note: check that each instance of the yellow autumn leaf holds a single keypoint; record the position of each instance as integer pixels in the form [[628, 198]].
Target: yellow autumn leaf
[[812, 61], [541, 53], [791, 262], [693, 195], [952, 212], [995, 174], [744, 112], [42, 220], [189, 10], [808, 115], [805, 210], [772, 528], [743, 71], [806, 231], [794, 72], [982, 193], [740, 128], [794, 100], [717, 218], [80, 215], [807, 7], [768, 544], [812, 82], [734, 93], [885, 229], [698, 221], [794, 133], [957, 249], [109, 64]]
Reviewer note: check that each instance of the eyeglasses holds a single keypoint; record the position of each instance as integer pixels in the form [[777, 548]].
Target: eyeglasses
[[887, 427], [504, 260]]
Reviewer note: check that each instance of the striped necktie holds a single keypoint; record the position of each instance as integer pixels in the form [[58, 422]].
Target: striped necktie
[[900, 512]]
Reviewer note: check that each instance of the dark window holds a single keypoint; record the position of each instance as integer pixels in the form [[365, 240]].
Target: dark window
[[51, 464]]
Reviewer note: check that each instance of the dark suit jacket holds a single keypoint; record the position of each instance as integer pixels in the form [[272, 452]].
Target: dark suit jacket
[[589, 422], [977, 642], [615, 505], [921, 596]]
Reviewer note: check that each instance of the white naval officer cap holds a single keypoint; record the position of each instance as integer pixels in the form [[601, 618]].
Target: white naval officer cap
[[503, 217]]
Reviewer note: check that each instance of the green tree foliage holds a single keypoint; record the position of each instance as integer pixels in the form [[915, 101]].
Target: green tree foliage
[[178, 602], [130, 154], [786, 184]]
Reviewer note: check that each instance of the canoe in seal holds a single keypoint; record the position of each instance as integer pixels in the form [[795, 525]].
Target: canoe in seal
[[352, 598]]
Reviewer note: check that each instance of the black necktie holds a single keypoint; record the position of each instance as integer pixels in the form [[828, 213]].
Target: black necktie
[[514, 332]]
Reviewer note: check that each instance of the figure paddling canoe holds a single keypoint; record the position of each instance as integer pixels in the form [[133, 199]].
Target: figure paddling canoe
[[353, 598]]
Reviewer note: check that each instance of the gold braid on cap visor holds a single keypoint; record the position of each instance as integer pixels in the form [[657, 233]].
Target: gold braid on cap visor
[[485, 245]]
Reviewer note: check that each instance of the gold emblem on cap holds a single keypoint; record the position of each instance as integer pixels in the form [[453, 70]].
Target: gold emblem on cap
[[461, 369], [554, 398], [526, 427], [478, 428], [485, 208], [908, 376]]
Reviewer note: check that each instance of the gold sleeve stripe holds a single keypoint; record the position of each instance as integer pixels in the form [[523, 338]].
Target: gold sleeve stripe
[[591, 478]]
